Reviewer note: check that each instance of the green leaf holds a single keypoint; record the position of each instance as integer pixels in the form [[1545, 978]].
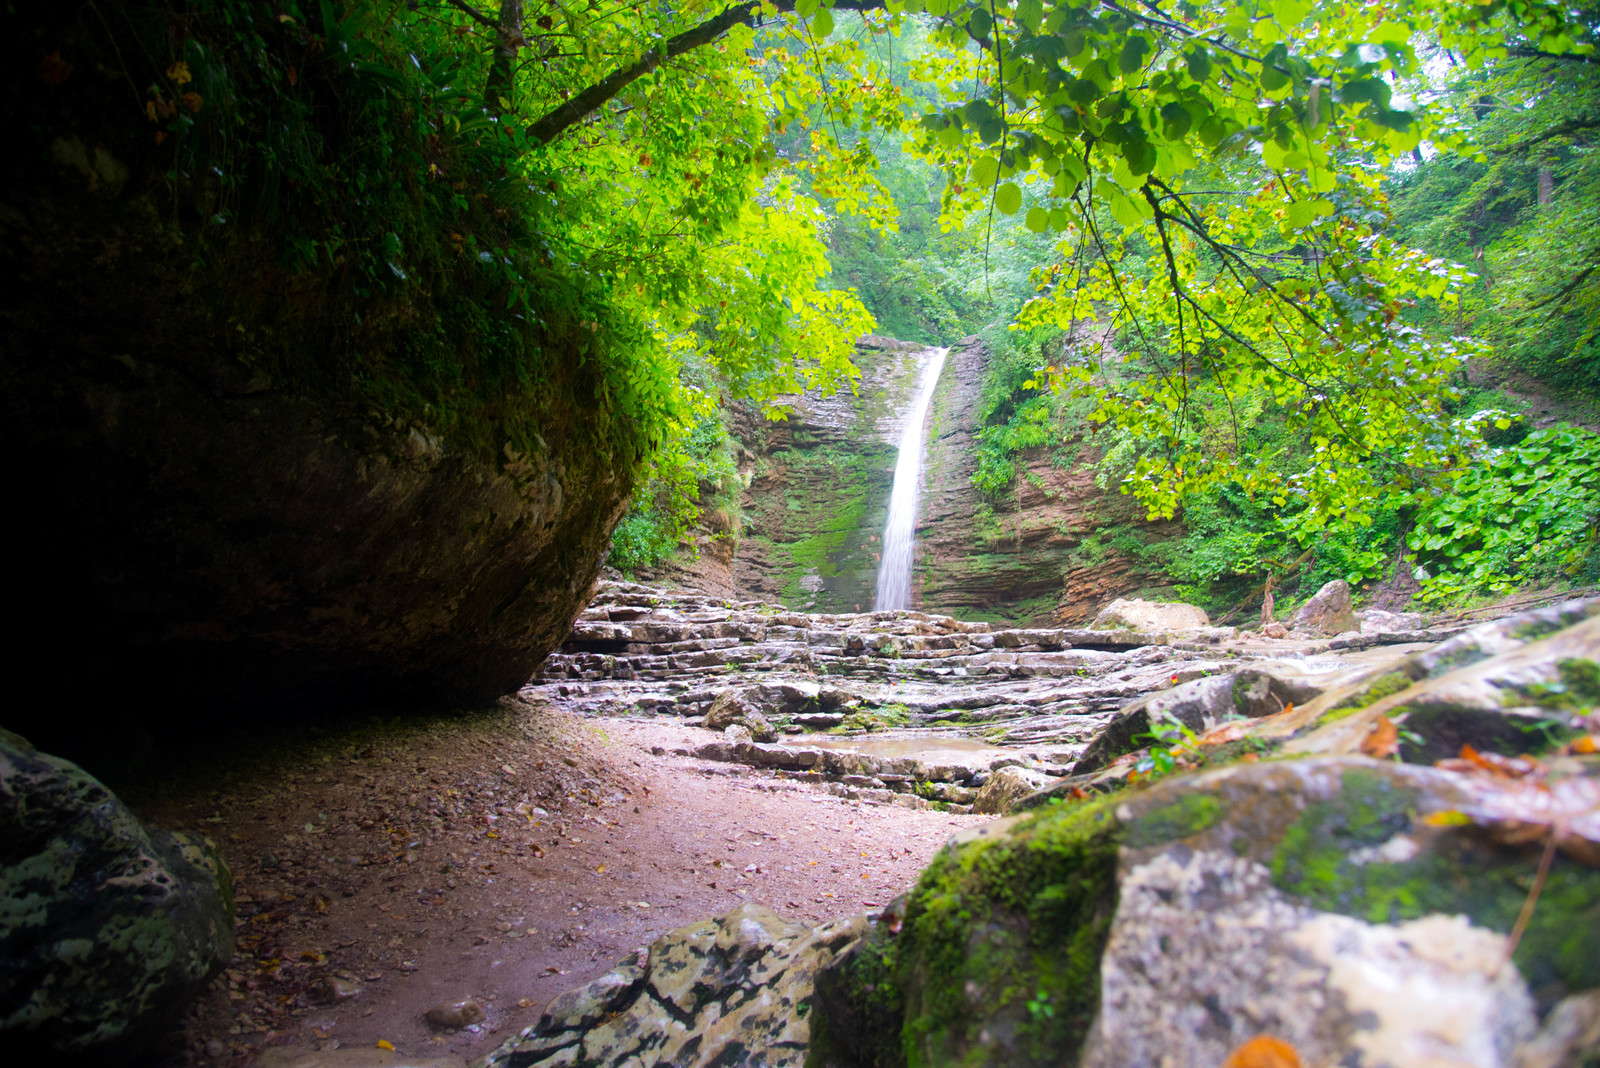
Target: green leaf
[[979, 24], [984, 171], [1175, 120], [1038, 219], [1198, 60], [1131, 58], [1008, 198], [822, 25], [982, 116], [806, 8]]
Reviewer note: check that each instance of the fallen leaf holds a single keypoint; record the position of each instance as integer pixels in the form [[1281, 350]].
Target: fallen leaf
[[1263, 1051], [384, 1043], [1383, 740], [524, 1003], [601, 870], [53, 68]]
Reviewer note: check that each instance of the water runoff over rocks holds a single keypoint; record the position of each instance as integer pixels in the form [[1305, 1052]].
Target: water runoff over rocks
[[899, 533]]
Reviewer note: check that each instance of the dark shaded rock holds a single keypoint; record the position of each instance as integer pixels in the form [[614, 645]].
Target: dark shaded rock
[[251, 484], [109, 928]]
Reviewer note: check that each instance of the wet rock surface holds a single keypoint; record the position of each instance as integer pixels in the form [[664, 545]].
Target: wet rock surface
[[1321, 882], [920, 708], [109, 927]]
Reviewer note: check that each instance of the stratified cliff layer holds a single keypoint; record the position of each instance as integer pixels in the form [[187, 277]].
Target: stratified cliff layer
[[1054, 548]]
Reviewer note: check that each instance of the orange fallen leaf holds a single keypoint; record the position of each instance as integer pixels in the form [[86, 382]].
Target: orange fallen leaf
[[1589, 743], [1223, 734], [384, 1043], [1263, 1051], [1383, 740]]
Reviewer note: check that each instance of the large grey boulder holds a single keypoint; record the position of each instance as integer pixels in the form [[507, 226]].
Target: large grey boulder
[[1198, 705], [1357, 909], [1328, 611], [735, 990], [1132, 613], [108, 928]]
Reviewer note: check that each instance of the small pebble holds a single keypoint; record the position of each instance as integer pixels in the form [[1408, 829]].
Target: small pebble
[[215, 1048]]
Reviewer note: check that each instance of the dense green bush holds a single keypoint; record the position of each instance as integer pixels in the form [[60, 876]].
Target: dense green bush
[[1528, 513]]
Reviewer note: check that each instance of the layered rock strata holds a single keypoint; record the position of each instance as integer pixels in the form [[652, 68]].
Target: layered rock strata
[[912, 707]]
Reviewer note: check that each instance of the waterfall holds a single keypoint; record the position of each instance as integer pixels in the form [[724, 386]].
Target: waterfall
[[899, 533]]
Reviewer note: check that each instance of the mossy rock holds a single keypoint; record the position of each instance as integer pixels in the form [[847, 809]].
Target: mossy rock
[[1173, 923], [109, 928]]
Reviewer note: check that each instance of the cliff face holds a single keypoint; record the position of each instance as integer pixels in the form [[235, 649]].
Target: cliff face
[[236, 482], [1054, 549], [818, 495]]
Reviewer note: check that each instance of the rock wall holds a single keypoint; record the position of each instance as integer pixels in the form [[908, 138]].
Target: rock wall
[[818, 494], [1054, 550], [233, 482]]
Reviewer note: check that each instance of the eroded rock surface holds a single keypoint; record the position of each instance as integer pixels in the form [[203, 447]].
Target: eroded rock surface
[[107, 927], [735, 990]]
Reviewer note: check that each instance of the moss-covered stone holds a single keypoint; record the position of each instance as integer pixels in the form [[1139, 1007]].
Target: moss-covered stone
[[998, 953], [1330, 857], [107, 927]]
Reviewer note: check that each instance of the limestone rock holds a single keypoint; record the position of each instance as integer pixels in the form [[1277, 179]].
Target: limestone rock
[[453, 1015], [1154, 616], [1459, 697], [1199, 705], [1377, 621], [1570, 1035], [734, 708], [1324, 901], [109, 927], [1328, 611], [733, 990], [736, 733], [1004, 788]]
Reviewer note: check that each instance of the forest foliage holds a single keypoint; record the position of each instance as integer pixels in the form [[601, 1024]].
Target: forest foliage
[[1293, 221]]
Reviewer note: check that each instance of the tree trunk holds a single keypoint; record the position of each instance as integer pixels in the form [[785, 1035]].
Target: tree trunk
[[1547, 185], [501, 71]]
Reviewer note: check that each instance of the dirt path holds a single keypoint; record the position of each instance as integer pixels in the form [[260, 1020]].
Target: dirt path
[[504, 858]]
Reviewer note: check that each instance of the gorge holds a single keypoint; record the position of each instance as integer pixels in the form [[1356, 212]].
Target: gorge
[[839, 534]]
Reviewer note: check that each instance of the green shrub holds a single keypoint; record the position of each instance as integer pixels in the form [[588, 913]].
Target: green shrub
[[1526, 513]]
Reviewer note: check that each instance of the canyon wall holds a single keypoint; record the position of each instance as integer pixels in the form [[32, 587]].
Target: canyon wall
[[1053, 549]]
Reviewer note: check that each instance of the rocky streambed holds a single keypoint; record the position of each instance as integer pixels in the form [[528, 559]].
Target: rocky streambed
[[911, 707], [1245, 851]]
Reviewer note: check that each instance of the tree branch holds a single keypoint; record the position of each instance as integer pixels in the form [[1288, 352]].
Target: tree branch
[[553, 123], [473, 13]]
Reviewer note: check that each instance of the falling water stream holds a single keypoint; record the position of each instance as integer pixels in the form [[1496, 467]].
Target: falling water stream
[[899, 533]]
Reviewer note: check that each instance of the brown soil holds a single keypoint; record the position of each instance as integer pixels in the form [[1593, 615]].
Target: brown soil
[[504, 857]]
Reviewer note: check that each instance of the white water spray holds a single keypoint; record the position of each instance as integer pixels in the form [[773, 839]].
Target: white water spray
[[899, 534]]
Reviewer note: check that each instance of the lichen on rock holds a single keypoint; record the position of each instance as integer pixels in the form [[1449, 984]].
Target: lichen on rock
[[107, 927]]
